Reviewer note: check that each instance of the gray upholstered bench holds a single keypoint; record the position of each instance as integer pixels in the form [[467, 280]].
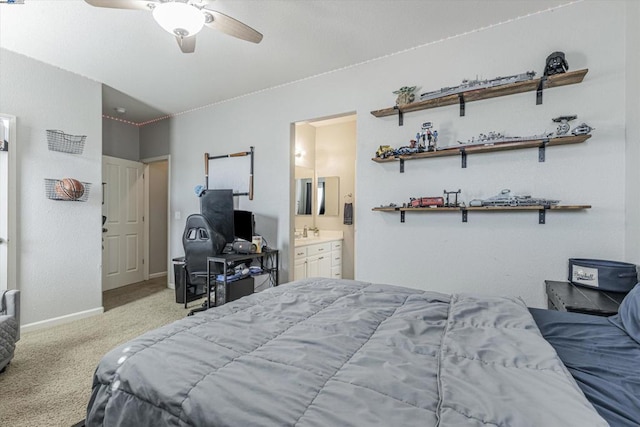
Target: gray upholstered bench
[[9, 325]]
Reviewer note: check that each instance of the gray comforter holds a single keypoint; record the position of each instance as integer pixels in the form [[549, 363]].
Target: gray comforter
[[323, 352]]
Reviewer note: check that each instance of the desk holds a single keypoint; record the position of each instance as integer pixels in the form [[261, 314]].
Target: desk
[[565, 296], [226, 260]]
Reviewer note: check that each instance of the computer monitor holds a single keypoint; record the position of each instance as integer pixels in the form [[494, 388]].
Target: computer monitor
[[244, 225]]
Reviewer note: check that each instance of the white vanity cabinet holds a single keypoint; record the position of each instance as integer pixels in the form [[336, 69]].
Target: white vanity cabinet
[[300, 263], [336, 259], [323, 259]]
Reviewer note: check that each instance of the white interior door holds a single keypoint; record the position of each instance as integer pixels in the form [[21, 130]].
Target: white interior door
[[7, 202], [123, 243]]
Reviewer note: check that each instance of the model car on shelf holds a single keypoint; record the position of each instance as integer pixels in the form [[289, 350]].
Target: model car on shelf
[[385, 151]]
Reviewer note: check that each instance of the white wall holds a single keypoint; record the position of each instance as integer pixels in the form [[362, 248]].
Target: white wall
[[154, 139], [121, 140], [501, 253], [632, 94], [58, 251]]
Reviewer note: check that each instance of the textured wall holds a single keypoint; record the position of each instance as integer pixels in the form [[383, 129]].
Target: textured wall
[[154, 139], [632, 134], [59, 250], [121, 140]]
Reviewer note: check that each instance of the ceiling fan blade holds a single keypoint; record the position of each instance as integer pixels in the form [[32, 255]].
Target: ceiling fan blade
[[123, 4], [232, 27], [187, 44]]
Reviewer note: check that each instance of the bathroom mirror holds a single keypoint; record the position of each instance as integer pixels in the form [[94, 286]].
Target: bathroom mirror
[[328, 196], [304, 191]]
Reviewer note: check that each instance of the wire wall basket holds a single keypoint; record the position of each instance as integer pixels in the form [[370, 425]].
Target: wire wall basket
[[60, 141], [67, 189]]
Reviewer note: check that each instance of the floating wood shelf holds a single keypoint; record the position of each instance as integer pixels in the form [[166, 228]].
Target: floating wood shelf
[[474, 149], [464, 209], [568, 78]]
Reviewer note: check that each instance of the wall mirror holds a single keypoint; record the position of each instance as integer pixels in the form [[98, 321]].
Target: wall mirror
[[304, 190], [328, 196], [304, 196]]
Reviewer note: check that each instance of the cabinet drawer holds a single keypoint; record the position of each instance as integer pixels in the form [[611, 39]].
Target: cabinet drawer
[[336, 272], [336, 245], [320, 248], [301, 252], [336, 258]]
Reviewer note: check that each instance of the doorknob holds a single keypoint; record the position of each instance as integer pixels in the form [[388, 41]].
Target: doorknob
[[2, 240]]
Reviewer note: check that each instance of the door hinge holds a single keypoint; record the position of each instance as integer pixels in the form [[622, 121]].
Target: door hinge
[[143, 260]]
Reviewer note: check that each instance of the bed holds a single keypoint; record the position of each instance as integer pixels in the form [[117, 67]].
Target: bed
[[602, 354], [323, 352]]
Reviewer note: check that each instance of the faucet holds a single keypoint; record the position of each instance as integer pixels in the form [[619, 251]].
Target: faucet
[[305, 231]]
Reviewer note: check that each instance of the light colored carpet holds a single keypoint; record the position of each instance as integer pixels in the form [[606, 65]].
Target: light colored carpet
[[48, 383]]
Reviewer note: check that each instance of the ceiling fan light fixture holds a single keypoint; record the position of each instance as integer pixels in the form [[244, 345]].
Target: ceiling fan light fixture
[[179, 19]]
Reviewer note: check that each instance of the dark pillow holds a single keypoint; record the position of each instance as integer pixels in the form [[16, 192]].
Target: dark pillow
[[628, 317]]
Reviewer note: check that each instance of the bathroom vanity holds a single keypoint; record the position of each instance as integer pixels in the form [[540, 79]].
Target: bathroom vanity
[[318, 256]]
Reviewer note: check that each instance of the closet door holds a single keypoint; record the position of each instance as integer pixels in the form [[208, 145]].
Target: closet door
[[123, 243]]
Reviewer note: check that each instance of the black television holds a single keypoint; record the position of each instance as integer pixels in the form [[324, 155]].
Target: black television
[[244, 225]]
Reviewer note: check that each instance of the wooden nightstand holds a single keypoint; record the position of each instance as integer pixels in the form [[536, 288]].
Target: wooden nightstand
[[565, 296]]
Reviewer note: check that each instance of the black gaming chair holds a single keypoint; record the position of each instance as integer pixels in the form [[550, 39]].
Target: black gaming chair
[[200, 240]]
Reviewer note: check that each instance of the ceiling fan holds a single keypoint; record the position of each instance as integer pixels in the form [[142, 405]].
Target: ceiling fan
[[185, 18]]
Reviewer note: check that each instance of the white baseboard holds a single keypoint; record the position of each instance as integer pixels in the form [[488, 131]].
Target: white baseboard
[[171, 285], [60, 320], [155, 275]]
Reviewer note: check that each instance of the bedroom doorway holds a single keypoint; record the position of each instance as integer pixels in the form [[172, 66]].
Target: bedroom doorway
[[156, 214], [324, 152]]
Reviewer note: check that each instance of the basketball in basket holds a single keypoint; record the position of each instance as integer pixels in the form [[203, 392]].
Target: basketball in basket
[[69, 189]]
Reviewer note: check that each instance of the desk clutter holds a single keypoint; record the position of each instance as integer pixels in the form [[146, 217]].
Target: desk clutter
[[220, 245], [240, 272]]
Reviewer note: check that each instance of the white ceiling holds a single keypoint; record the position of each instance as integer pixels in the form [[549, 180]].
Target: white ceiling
[[145, 71]]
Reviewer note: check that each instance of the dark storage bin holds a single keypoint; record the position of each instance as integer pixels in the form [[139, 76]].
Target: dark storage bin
[[604, 275], [180, 278], [193, 292], [239, 288]]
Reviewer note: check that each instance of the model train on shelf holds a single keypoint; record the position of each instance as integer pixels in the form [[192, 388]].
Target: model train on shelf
[[437, 201], [426, 202]]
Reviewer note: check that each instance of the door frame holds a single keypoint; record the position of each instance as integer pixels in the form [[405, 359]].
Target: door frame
[[146, 162], [292, 187], [11, 183]]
